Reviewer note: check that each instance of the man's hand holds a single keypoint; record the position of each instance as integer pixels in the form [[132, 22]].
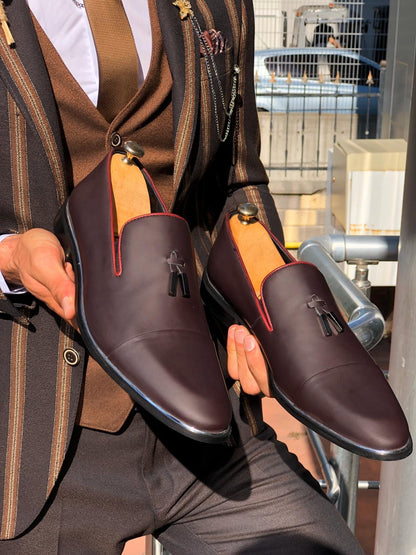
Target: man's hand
[[36, 260], [246, 362]]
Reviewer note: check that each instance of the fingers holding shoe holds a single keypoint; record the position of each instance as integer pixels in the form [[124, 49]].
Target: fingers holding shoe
[[246, 362], [36, 260]]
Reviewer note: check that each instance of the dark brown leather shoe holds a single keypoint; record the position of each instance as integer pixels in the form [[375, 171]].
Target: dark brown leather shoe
[[139, 308], [318, 370]]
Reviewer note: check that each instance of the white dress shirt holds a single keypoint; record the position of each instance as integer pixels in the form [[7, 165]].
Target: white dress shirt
[[65, 23]]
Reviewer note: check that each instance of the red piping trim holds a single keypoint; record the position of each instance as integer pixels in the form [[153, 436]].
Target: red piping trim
[[264, 313], [117, 257], [294, 263], [154, 187], [141, 216], [110, 197]]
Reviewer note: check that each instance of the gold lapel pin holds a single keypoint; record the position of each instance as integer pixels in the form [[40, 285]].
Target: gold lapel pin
[[185, 8], [5, 26]]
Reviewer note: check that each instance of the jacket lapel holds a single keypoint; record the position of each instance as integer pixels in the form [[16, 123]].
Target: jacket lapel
[[23, 70], [182, 49]]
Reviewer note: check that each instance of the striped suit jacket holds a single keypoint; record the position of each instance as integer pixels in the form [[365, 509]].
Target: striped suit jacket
[[39, 389]]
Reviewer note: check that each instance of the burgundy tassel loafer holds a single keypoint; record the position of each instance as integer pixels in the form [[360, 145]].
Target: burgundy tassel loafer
[[318, 370], [138, 304]]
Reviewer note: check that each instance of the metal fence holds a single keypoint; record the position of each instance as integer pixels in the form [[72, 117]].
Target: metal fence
[[318, 78], [306, 118], [357, 25]]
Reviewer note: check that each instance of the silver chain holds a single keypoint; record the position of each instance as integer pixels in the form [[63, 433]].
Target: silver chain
[[211, 67], [78, 4]]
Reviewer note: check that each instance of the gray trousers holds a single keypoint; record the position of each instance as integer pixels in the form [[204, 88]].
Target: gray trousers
[[197, 499]]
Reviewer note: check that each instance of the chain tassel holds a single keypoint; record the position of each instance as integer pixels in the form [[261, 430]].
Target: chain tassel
[[185, 11], [213, 72], [5, 26]]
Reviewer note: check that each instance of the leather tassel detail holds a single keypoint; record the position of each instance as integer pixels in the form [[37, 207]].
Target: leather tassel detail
[[177, 275], [326, 317]]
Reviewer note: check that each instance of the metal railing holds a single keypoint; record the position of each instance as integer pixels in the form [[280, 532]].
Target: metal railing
[[363, 317]]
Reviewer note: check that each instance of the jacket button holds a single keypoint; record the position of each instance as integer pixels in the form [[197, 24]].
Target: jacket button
[[116, 140], [71, 356]]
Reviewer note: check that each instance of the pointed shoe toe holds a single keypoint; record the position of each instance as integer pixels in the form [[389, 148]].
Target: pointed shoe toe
[[187, 393], [379, 428], [318, 370], [138, 305]]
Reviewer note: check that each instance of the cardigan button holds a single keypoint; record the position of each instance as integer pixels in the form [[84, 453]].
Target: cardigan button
[[116, 140], [71, 357]]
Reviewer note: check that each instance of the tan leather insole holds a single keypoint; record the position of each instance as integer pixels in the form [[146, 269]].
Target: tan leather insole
[[130, 194], [257, 250]]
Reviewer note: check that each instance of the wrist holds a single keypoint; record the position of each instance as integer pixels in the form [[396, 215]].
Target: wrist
[[8, 268]]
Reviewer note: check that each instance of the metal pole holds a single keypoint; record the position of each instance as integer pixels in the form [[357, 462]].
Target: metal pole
[[346, 466], [382, 84], [396, 530], [363, 317]]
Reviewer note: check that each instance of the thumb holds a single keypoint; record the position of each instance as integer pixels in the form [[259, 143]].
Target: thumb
[[60, 288], [65, 292], [68, 307], [257, 364]]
